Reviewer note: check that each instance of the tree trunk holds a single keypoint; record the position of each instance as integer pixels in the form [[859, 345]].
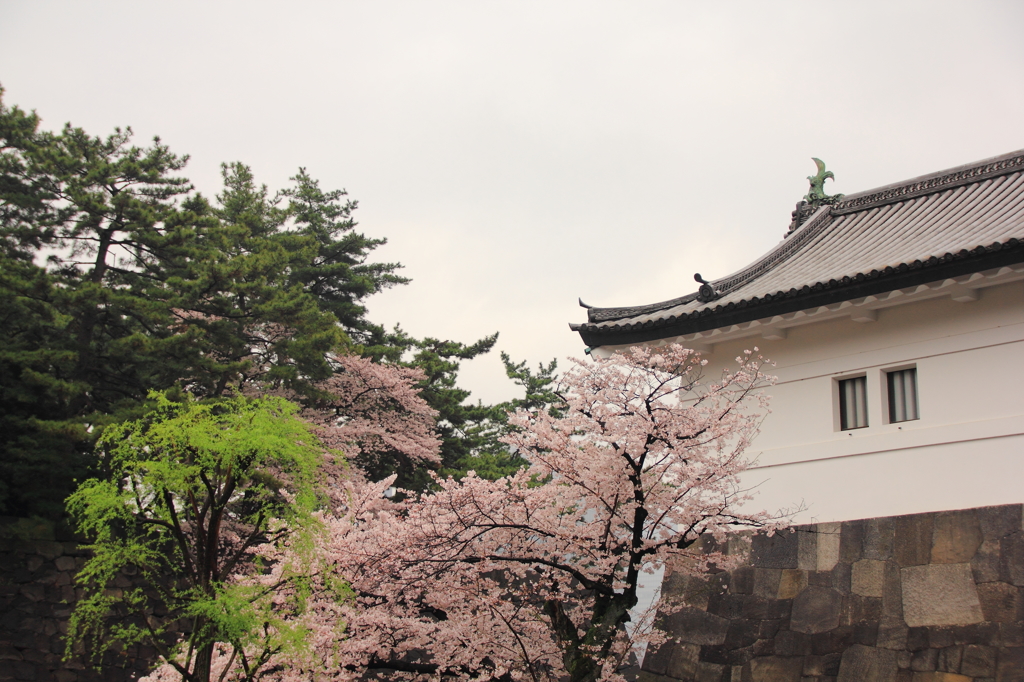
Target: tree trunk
[[203, 661]]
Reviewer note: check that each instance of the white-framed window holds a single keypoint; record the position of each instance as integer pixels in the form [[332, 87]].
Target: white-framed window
[[853, 403], [901, 395]]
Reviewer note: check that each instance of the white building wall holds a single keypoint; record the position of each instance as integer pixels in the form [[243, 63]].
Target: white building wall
[[967, 448]]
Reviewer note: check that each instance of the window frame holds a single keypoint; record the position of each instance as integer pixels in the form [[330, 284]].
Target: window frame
[[838, 400], [887, 398]]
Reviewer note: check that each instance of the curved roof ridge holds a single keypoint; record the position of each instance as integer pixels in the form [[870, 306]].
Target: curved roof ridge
[[931, 183]]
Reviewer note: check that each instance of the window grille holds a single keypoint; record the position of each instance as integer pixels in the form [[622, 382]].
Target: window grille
[[853, 403], [902, 395]]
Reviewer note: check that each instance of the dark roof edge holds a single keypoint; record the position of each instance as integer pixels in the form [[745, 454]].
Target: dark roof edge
[[824, 293]]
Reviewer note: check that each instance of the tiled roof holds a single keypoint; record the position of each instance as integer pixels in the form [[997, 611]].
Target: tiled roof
[[941, 225]]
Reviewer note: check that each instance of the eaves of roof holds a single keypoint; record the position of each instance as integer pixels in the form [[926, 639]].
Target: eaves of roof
[[821, 294]]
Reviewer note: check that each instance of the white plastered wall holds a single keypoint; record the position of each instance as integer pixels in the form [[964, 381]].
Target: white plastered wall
[[967, 448]]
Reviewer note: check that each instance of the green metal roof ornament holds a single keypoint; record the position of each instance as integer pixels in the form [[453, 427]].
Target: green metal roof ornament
[[815, 197]]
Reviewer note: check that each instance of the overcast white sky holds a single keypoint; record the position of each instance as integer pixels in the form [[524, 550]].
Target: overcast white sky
[[518, 155]]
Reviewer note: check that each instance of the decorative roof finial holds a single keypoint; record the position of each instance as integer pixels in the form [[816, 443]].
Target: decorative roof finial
[[706, 292], [815, 197]]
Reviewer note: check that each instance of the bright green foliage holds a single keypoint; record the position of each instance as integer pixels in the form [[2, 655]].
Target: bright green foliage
[[190, 494]]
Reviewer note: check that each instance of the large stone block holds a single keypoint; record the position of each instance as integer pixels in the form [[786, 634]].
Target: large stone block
[[816, 609], [863, 663], [878, 539], [791, 583], [694, 626], [985, 563], [1000, 603], [1010, 665], [777, 551], [766, 582], [807, 548], [997, 522], [829, 535], [868, 578], [913, 539], [776, 669], [926, 660], [940, 594], [978, 661], [949, 659], [682, 664], [892, 597], [956, 537], [851, 544], [1011, 565]]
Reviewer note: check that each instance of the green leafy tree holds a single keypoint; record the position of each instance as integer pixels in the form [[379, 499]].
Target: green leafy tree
[[187, 498], [116, 278], [470, 433]]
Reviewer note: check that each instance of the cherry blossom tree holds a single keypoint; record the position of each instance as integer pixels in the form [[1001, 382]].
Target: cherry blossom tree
[[534, 576], [537, 574]]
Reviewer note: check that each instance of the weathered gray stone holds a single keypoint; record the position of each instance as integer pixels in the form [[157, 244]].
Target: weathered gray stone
[[892, 598], [807, 548], [841, 574], [829, 535], [868, 577], [949, 659], [816, 609], [940, 594], [925, 660], [777, 551], [1011, 565], [913, 539], [741, 580], [956, 537], [997, 522], [791, 583], [709, 672], [776, 669], [48, 550], [766, 582], [682, 664], [1010, 664], [1000, 603], [978, 661], [878, 539], [863, 663], [892, 637], [694, 591], [65, 563], [851, 542], [693, 626], [858, 609], [985, 564], [738, 545]]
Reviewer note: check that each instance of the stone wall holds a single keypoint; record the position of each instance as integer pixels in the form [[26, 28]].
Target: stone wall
[[924, 598], [36, 597]]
